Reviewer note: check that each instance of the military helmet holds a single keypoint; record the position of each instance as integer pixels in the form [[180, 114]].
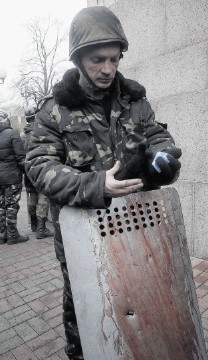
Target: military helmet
[[95, 25], [30, 112]]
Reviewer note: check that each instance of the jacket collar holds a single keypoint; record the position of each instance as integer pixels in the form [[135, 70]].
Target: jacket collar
[[69, 93]]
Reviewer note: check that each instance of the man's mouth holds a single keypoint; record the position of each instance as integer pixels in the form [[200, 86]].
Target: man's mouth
[[104, 80]]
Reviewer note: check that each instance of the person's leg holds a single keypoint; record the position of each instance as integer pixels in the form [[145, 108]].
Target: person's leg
[[12, 197], [32, 200], [73, 348], [42, 213], [3, 232]]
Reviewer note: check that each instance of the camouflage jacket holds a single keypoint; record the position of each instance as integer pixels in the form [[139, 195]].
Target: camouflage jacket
[[26, 136], [73, 143]]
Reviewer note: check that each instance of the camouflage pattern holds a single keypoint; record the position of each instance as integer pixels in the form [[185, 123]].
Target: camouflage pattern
[[9, 207], [37, 203], [72, 147], [26, 135], [71, 150], [12, 156], [104, 27]]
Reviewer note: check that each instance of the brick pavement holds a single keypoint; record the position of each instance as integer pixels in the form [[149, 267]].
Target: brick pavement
[[31, 288], [31, 298]]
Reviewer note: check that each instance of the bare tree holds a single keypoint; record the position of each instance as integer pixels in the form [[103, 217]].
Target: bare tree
[[38, 68]]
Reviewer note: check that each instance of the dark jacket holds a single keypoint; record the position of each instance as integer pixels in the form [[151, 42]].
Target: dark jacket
[[12, 154], [74, 142]]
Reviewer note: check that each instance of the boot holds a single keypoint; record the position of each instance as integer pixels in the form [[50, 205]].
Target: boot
[[3, 230], [42, 231], [33, 220], [18, 239], [3, 241], [70, 352]]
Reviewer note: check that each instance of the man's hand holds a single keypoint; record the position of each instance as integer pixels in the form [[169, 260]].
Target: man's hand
[[164, 166], [133, 166], [115, 188]]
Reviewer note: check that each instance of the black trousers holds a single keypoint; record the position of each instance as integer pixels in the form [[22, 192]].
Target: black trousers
[[73, 348]]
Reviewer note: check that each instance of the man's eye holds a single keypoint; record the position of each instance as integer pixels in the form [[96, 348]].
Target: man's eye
[[115, 60], [96, 60]]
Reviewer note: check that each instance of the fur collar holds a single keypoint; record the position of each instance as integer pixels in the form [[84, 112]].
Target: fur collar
[[69, 93]]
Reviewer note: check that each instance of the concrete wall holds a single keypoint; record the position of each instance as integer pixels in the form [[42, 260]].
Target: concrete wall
[[168, 54]]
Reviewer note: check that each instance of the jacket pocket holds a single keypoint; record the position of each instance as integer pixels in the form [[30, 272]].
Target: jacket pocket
[[80, 146]]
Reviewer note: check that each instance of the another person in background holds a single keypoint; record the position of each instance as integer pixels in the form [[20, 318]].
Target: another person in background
[[96, 138], [37, 203], [12, 157]]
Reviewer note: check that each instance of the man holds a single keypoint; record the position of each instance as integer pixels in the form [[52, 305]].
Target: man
[[12, 157], [96, 138], [37, 203]]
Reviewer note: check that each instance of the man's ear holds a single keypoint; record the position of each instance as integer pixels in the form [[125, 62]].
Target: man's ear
[[121, 56]]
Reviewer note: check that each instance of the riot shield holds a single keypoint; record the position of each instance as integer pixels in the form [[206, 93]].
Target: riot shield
[[131, 279]]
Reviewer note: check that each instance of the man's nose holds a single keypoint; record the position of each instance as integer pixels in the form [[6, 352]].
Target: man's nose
[[107, 67]]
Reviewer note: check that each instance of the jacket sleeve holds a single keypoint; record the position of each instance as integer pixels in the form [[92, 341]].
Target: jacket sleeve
[[18, 149], [157, 136], [45, 166], [158, 140]]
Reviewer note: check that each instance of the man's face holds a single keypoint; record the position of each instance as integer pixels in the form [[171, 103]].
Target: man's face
[[101, 63]]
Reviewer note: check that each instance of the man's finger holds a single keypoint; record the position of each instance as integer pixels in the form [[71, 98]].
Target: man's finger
[[115, 168], [130, 182]]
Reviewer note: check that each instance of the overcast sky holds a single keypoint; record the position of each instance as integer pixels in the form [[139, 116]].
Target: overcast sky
[[14, 14]]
